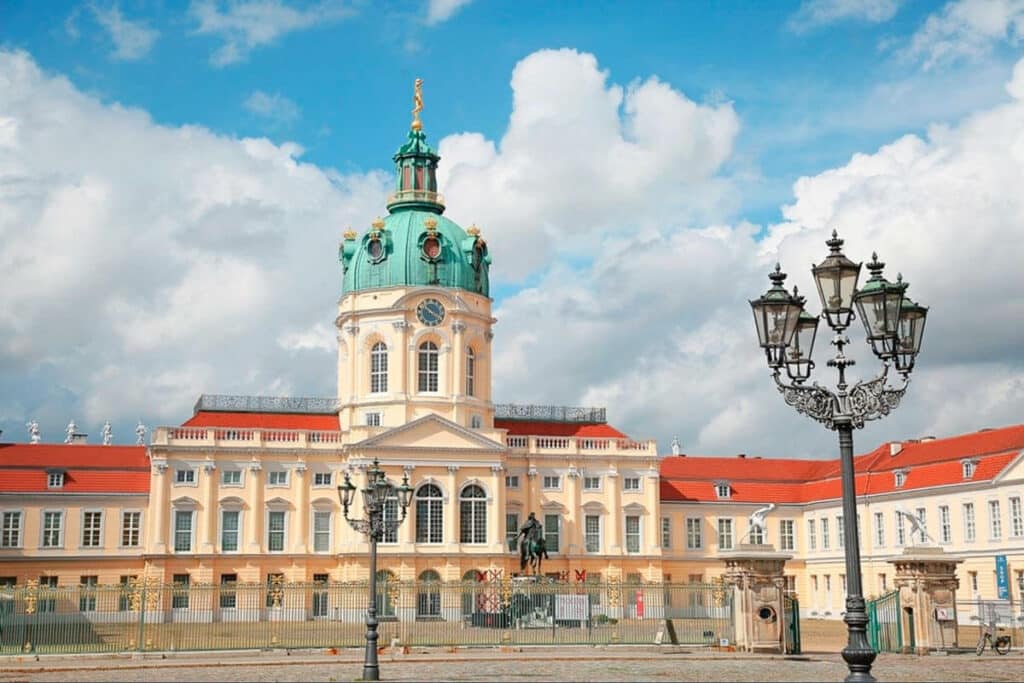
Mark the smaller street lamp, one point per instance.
(378, 493)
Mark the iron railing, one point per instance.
(171, 617)
(513, 411)
(267, 404)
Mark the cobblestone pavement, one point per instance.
(533, 664)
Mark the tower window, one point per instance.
(470, 372)
(428, 366)
(379, 368)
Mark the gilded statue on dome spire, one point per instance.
(417, 101)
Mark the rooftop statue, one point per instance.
(675, 445)
(417, 104)
(140, 434)
(108, 433)
(33, 431)
(70, 432)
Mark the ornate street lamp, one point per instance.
(895, 327)
(379, 490)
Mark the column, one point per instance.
(451, 528)
(207, 520)
(407, 532)
(159, 524)
(574, 521)
(353, 364)
(616, 521)
(458, 371)
(398, 380)
(302, 512)
(496, 511)
(256, 512)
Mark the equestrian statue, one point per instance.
(532, 546)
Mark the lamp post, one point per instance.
(894, 326)
(378, 521)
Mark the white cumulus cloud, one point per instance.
(132, 39)
(814, 13)
(439, 11)
(966, 29)
(275, 108)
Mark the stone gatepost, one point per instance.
(926, 580)
(756, 573)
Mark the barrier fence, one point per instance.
(145, 616)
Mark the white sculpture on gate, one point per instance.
(70, 432)
(108, 433)
(757, 520)
(917, 527)
(33, 431)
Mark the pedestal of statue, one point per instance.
(756, 573)
(926, 580)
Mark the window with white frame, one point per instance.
(429, 515)
(901, 530)
(53, 529)
(591, 483)
(973, 576)
(756, 534)
(883, 583)
(631, 484)
(879, 529)
(276, 530)
(995, 520)
(92, 529)
(470, 372)
(825, 541)
(321, 531)
(391, 520)
(511, 481)
(945, 527)
(922, 514)
(54, 480)
(428, 367)
(512, 530)
(277, 478)
(322, 478)
(694, 538)
(472, 515)
(969, 529)
(812, 536)
(552, 482)
(131, 528)
(87, 593)
(10, 530)
(180, 591)
(184, 475)
(724, 533)
(231, 477)
(787, 534)
(1016, 518)
(552, 531)
(183, 531)
(968, 468)
(723, 490)
(476, 422)
(840, 531)
(379, 368)
(632, 534)
(372, 418)
(666, 532)
(592, 533)
(228, 599)
(899, 478)
(230, 530)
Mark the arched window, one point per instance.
(471, 593)
(473, 515)
(428, 366)
(470, 371)
(428, 595)
(429, 515)
(379, 368)
(385, 600)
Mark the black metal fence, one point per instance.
(167, 617)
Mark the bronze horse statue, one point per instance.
(535, 551)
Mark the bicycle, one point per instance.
(1000, 644)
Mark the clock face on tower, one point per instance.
(430, 312)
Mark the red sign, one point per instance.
(639, 604)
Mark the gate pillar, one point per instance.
(756, 572)
(926, 580)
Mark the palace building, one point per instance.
(245, 489)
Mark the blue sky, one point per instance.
(345, 80)
(174, 177)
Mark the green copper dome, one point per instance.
(415, 245)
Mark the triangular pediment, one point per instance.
(430, 432)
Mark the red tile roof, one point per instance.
(87, 468)
(579, 429)
(313, 421)
(931, 463)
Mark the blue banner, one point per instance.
(1002, 578)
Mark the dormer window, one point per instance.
(899, 478)
(723, 490)
(969, 467)
(55, 480)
